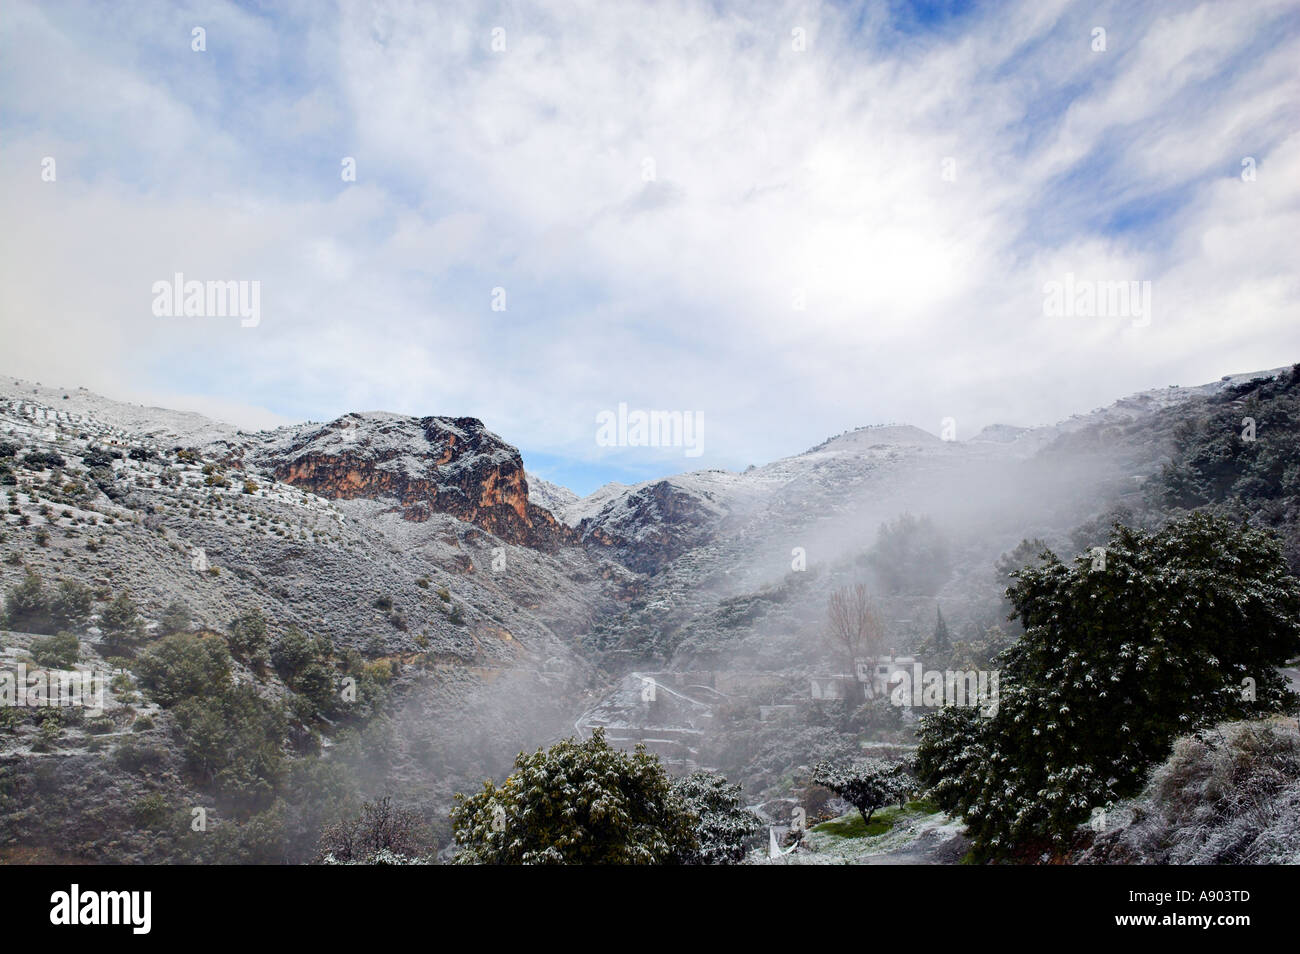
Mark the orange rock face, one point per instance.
(426, 466)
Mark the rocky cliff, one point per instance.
(424, 466)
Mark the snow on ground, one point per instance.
(916, 838)
(183, 428)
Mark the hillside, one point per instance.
(490, 611)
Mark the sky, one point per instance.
(785, 220)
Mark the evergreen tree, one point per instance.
(724, 825)
(1178, 630)
(176, 618)
(579, 802)
(941, 641)
(121, 625)
(27, 609)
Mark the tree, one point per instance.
(911, 556)
(866, 784)
(176, 618)
(855, 627)
(248, 636)
(234, 740)
(293, 651)
(121, 624)
(304, 663)
(578, 802)
(1182, 628)
(56, 652)
(382, 834)
(724, 827)
(71, 605)
(941, 641)
(182, 666)
(26, 606)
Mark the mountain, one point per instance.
(453, 466)
(498, 609)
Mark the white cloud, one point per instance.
(776, 173)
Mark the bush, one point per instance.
(184, 666)
(96, 457)
(1229, 798)
(248, 636)
(234, 739)
(579, 802)
(383, 834)
(56, 652)
(43, 460)
(144, 757)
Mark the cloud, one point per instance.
(686, 210)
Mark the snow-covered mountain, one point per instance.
(505, 606)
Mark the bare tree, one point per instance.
(856, 629)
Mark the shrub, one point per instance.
(56, 652)
(43, 460)
(1228, 798)
(140, 757)
(248, 636)
(382, 834)
(96, 457)
(149, 810)
(183, 666)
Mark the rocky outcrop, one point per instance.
(651, 525)
(425, 466)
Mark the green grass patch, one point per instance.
(852, 826)
(923, 806)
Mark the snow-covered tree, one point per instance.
(866, 784)
(724, 827)
(578, 802)
(1173, 631)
